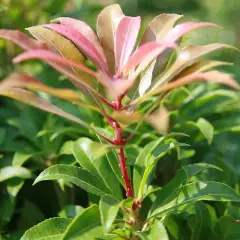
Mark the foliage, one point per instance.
(135, 142)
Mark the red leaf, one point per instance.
(146, 53)
(125, 40)
(20, 39)
(81, 42)
(182, 29)
(85, 30)
(48, 55)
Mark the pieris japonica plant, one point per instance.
(123, 77)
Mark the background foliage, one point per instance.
(31, 140)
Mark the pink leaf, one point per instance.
(146, 53)
(20, 39)
(81, 42)
(48, 55)
(125, 40)
(182, 29)
(107, 22)
(211, 76)
(159, 27)
(85, 30)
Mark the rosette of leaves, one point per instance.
(124, 80)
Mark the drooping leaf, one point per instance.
(62, 46)
(109, 207)
(15, 171)
(108, 20)
(125, 40)
(211, 76)
(48, 55)
(85, 226)
(78, 176)
(193, 192)
(202, 66)
(20, 39)
(52, 228)
(187, 57)
(83, 28)
(35, 101)
(81, 42)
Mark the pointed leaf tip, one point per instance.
(125, 39)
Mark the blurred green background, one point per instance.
(20, 14)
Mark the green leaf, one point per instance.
(3, 134)
(143, 157)
(226, 228)
(75, 175)
(138, 170)
(7, 208)
(173, 186)
(109, 207)
(203, 223)
(158, 231)
(14, 185)
(162, 150)
(70, 211)
(67, 148)
(52, 228)
(20, 158)
(11, 172)
(206, 129)
(198, 191)
(85, 225)
(86, 152)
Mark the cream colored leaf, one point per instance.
(107, 23)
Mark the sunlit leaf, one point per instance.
(52, 228)
(125, 40)
(85, 226)
(109, 207)
(108, 20)
(193, 192)
(81, 42)
(78, 176)
(159, 27)
(62, 46)
(20, 39)
(83, 28)
(15, 171)
(181, 176)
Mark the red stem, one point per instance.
(119, 141)
(123, 166)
